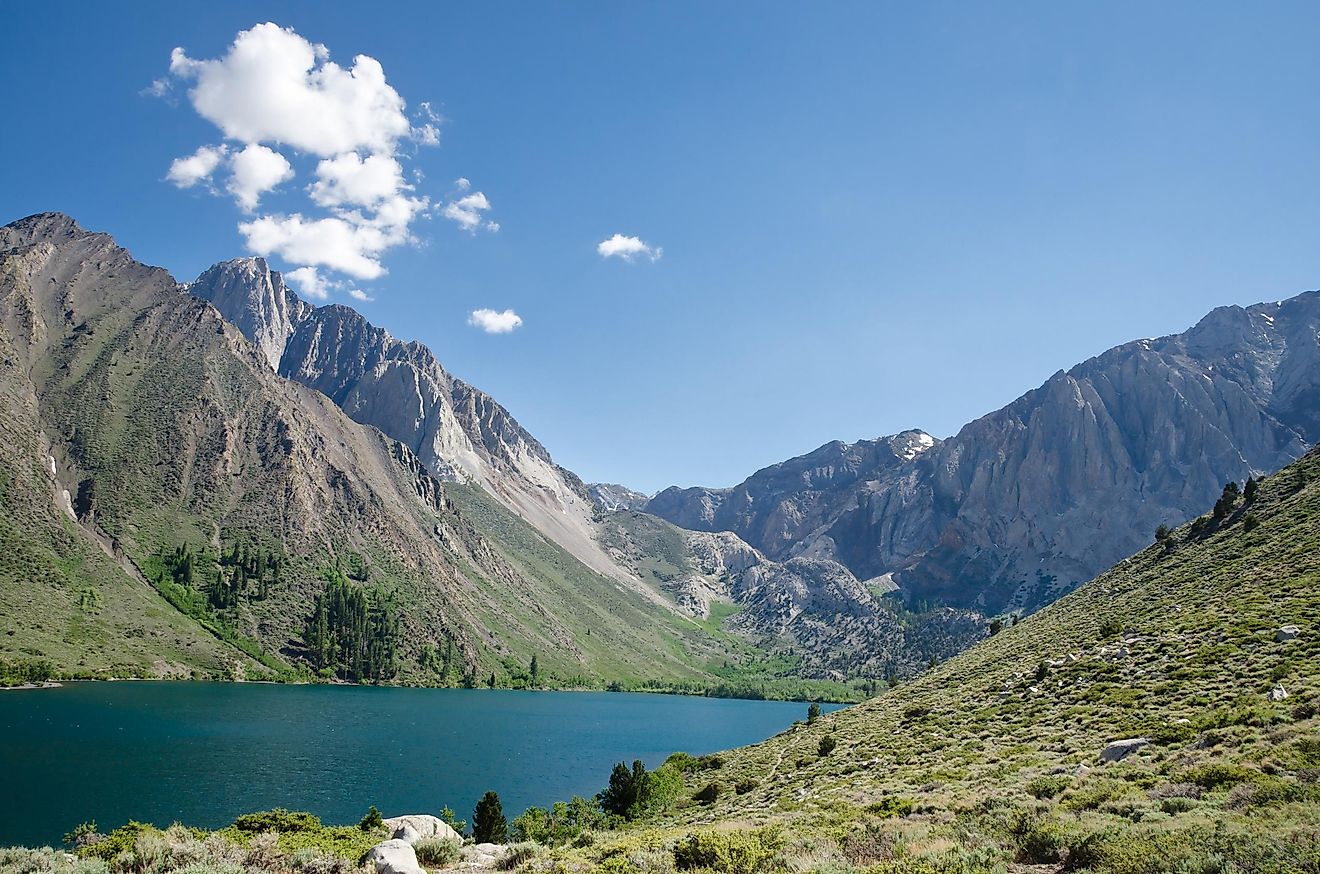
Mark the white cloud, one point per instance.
(493, 322)
(627, 248)
(359, 294)
(254, 171)
(336, 243)
(275, 95)
(275, 86)
(187, 171)
(467, 210)
(347, 179)
(158, 88)
(309, 282)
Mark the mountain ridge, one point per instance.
(1026, 502)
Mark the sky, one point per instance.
(682, 241)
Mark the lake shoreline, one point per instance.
(56, 684)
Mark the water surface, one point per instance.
(202, 753)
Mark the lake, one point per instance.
(202, 753)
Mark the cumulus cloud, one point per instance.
(339, 244)
(309, 282)
(350, 180)
(275, 86)
(191, 169)
(493, 322)
(467, 211)
(275, 95)
(627, 248)
(254, 171)
(359, 294)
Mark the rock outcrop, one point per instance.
(1024, 504)
(423, 825)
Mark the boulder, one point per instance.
(407, 833)
(1278, 693)
(423, 825)
(483, 855)
(1120, 749)
(1286, 633)
(394, 857)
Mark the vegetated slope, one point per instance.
(1205, 644)
(239, 494)
(1026, 502)
(808, 617)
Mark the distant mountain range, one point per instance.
(1024, 504)
(193, 466)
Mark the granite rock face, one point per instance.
(459, 432)
(1023, 504)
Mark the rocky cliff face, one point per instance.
(1033, 499)
(459, 432)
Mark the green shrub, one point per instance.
(1037, 838)
(745, 786)
(371, 820)
(826, 745)
(518, 854)
(1048, 786)
(438, 852)
(1220, 775)
(745, 852)
(118, 841)
(709, 793)
(891, 806)
(1094, 793)
(277, 820)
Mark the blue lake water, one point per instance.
(202, 753)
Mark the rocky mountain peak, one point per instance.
(255, 299)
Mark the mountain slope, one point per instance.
(458, 432)
(1204, 648)
(1026, 502)
(168, 429)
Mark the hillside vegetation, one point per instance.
(1203, 648)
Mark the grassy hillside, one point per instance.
(993, 759)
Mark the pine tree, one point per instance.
(535, 670)
(488, 823)
(813, 712)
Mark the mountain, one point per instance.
(809, 613)
(1025, 503)
(173, 505)
(1163, 717)
(460, 433)
(610, 497)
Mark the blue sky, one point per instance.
(873, 216)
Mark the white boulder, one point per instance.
(422, 825)
(1286, 633)
(1120, 749)
(1278, 693)
(394, 857)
